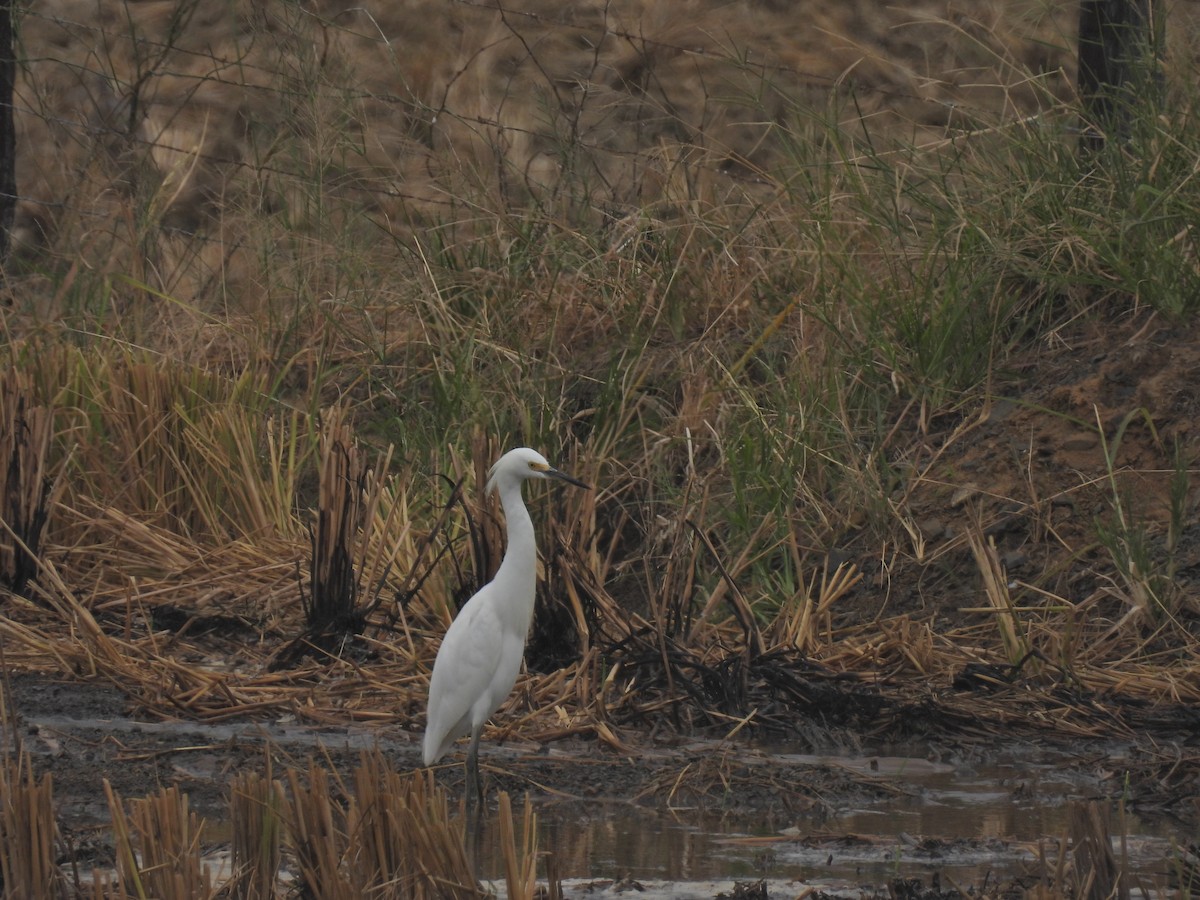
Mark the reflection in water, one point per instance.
(966, 821)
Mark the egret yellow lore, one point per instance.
(480, 656)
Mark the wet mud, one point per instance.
(695, 818)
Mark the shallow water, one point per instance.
(957, 824)
(966, 817)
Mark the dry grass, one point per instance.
(158, 847)
(817, 311)
(347, 568)
(29, 487)
(391, 836)
(28, 832)
(1098, 873)
(256, 812)
(519, 849)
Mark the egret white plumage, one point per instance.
(477, 664)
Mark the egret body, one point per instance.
(477, 664)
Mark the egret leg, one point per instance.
(474, 788)
(474, 801)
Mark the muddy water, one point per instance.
(966, 816)
(952, 824)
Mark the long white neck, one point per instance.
(518, 570)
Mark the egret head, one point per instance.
(517, 465)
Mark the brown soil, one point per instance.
(1080, 418)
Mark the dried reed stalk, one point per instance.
(27, 489)
(334, 586)
(349, 497)
(28, 832)
(148, 412)
(738, 605)
(485, 534)
(256, 811)
(107, 887)
(800, 624)
(158, 846)
(405, 845)
(487, 531)
(995, 586)
(392, 839)
(520, 857)
(317, 844)
(1098, 875)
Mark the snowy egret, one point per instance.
(477, 664)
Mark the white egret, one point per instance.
(477, 664)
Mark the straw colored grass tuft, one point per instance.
(256, 813)
(519, 849)
(995, 589)
(1099, 870)
(28, 833)
(390, 837)
(158, 847)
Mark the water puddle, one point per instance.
(954, 825)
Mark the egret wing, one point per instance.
(463, 673)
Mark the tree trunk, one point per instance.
(8, 137)
(1117, 48)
